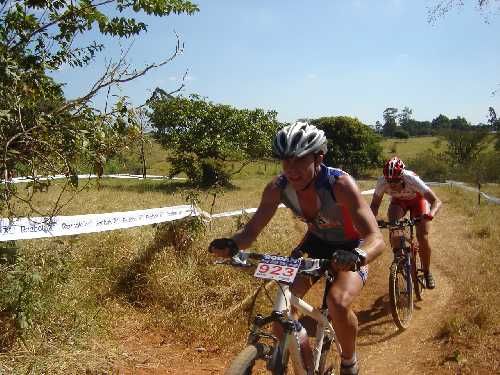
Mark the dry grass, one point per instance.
(92, 285)
(470, 331)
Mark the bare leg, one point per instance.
(423, 242)
(394, 213)
(345, 288)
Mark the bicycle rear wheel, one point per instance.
(400, 294)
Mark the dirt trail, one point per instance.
(382, 348)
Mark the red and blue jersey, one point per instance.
(325, 217)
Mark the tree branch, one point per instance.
(57, 20)
(116, 74)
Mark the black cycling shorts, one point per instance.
(315, 247)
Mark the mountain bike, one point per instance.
(276, 352)
(406, 274)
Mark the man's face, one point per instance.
(395, 183)
(300, 171)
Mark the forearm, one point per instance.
(373, 244)
(374, 209)
(375, 204)
(435, 207)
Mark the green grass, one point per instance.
(408, 148)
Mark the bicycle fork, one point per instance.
(409, 276)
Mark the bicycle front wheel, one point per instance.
(244, 362)
(400, 295)
(329, 360)
(417, 274)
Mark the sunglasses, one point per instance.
(393, 181)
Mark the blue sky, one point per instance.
(321, 58)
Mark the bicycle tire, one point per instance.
(400, 295)
(329, 360)
(417, 277)
(243, 363)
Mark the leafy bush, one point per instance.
(202, 172)
(352, 145)
(430, 165)
(202, 135)
(19, 295)
(401, 134)
(485, 168)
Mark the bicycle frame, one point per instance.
(407, 249)
(287, 345)
(285, 299)
(404, 263)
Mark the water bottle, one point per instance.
(305, 347)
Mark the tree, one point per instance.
(441, 122)
(390, 123)
(41, 131)
(459, 123)
(203, 135)
(493, 121)
(379, 127)
(464, 146)
(352, 145)
(414, 127)
(405, 116)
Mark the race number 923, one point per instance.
(283, 269)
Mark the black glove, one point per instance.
(297, 253)
(224, 243)
(345, 261)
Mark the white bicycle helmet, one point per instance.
(299, 139)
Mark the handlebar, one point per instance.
(308, 266)
(398, 224)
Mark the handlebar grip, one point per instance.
(222, 243)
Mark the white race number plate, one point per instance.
(279, 268)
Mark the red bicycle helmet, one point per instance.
(393, 168)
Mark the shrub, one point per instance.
(401, 134)
(352, 145)
(202, 172)
(430, 165)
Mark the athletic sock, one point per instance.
(349, 361)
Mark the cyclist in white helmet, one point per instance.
(338, 218)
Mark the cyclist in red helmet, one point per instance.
(409, 193)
